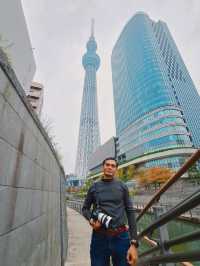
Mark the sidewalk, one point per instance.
(79, 240)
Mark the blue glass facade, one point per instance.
(171, 162)
(156, 104)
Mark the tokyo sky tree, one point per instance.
(89, 137)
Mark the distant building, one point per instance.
(108, 149)
(73, 181)
(15, 41)
(157, 107)
(35, 97)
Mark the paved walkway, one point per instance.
(79, 240)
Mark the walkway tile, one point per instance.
(79, 239)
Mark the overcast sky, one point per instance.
(59, 31)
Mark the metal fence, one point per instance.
(161, 254)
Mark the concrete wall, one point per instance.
(32, 210)
(14, 38)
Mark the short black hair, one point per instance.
(110, 158)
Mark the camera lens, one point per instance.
(104, 219)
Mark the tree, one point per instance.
(87, 185)
(127, 173)
(4, 45)
(194, 173)
(131, 172)
(154, 176)
(84, 189)
(121, 173)
(47, 125)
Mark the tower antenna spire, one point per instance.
(89, 123)
(92, 27)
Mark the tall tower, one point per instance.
(89, 137)
(157, 107)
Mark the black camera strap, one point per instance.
(97, 196)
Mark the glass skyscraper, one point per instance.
(89, 136)
(157, 107)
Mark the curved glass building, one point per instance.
(157, 107)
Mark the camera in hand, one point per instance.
(103, 218)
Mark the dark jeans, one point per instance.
(103, 247)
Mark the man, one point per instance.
(111, 197)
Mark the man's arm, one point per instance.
(130, 211)
(132, 254)
(87, 204)
(89, 200)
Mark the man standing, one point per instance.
(111, 206)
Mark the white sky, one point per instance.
(59, 31)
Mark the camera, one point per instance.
(103, 218)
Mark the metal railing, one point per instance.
(166, 256)
(163, 244)
(193, 159)
(76, 205)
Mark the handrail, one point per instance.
(178, 257)
(186, 263)
(179, 240)
(192, 202)
(155, 244)
(195, 157)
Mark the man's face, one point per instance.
(109, 168)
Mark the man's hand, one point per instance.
(132, 255)
(95, 224)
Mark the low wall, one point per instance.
(32, 207)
